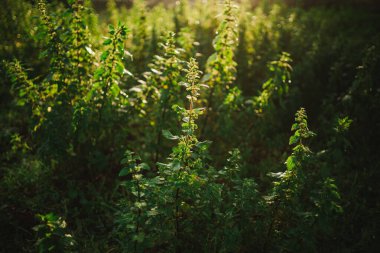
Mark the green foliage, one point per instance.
(77, 92)
(302, 199)
(22, 87)
(161, 86)
(164, 200)
(53, 235)
(221, 65)
(105, 91)
(277, 86)
(221, 68)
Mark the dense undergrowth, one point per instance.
(172, 128)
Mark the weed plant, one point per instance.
(165, 127)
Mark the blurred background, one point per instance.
(364, 3)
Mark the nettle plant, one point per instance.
(264, 112)
(53, 235)
(74, 99)
(104, 107)
(159, 89)
(159, 209)
(303, 200)
(53, 95)
(105, 91)
(276, 87)
(220, 66)
(189, 206)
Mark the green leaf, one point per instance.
(123, 172)
(125, 160)
(120, 68)
(211, 59)
(206, 77)
(144, 166)
(99, 72)
(176, 165)
(104, 55)
(168, 135)
(115, 90)
(203, 144)
(107, 42)
(112, 29)
(290, 163)
(294, 138)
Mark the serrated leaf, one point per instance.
(99, 72)
(293, 139)
(206, 77)
(107, 42)
(211, 59)
(115, 90)
(104, 55)
(144, 166)
(290, 163)
(120, 67)
(168, 135)
(123, 172)
(175, 165)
